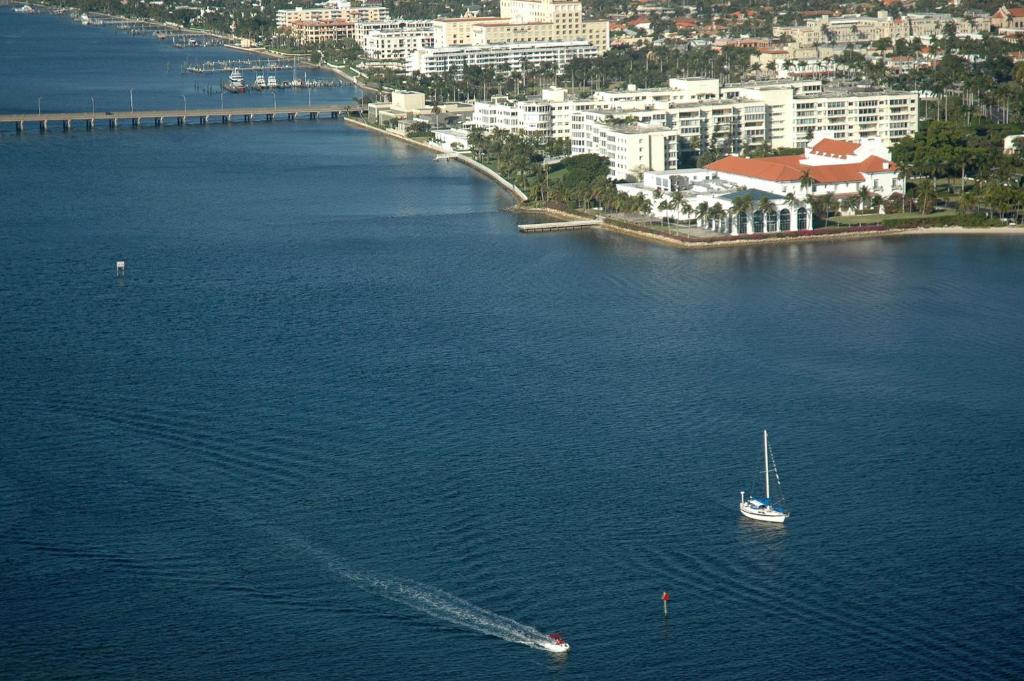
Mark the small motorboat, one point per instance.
(556, 644)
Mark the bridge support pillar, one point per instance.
(181, 120)
(248, 118)
(135, 122)
(112, 122)
(204, 120)
(66, 125)
(291, 116)
(19, 127)
(90, 123)
(270, 117)
(42, 126)
(334, 114)
(225, 119)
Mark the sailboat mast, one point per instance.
(767, 489)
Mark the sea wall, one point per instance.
(475, 165)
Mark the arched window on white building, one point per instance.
(784, 220)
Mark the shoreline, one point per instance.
(472, 163)
(228, 42)
(666, 240)
(520, 196)
(946, 230)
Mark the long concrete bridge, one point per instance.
(159, 117)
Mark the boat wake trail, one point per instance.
(445, 606)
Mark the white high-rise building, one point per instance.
(775, 114)
(341, 11)
(394, 39)
(513, 56)
(549, 115)
(537, 23)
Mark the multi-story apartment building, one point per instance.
(514, 56)
(387, 25)
(395, 40)
(549, 115)
(797, 109)
(772, 114)
(856, 28)
(634, 148)
(522, 22)
(311, 32)
(339, 11)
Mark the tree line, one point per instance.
(572, 182)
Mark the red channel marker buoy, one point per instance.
(664, 601)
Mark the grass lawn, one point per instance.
(873, 218)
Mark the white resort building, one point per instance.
(827, 166)
(778, 187)
(699, 196)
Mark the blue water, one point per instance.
(340, 419)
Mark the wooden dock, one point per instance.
(559, 226)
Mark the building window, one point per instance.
(773, 221)
(801, 218)
(784, 220)
(741, 223)
(758, 222)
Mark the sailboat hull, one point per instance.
(764, 515)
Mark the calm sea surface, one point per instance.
(341, 420)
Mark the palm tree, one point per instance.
(864, 194)
(744, 203)
(716, 213)
(679, 203)
(702, 213)
(829, 204)
(767, 208)
(735, 211)
(806, 181)
(664, 205)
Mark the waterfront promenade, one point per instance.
(184, 116)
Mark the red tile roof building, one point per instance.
(1009, 21)
(827, 166)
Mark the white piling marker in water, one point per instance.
(120, 268)
(664, 601)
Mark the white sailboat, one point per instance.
(763, 509)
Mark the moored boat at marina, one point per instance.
(235, 82)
